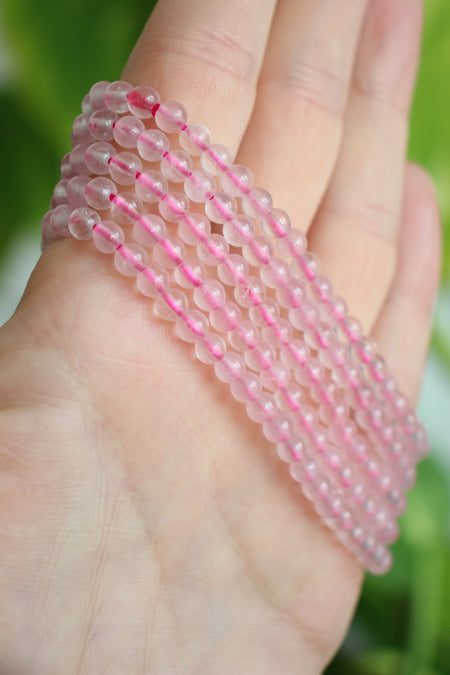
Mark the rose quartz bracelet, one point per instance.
(239, 284)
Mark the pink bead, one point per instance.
(75, 190)
(115, 96)
(130, 259)
(293, 244)
(169, 252)
(67, 170)
(59, 193)
(276, 273)
(86, 105)
(279, 429)
(216, 159)
(99, 192)
(142, 101)
(190, 273)
(211, 349)
(174, 206)
(153, 280)
(210, 295)
(239, 231)
(293, 450)
(280, 335)
(293, 295)
(214, 251)
(101, 124)
(227, 317)
(127, 131)
(257, 203)
(237, 181)
(276, 224)
(97, 94)
(304, 317)
(126, 207)
(258, 251)
(252, 294)
(107, 236)
(306, 266)
(352, 329)
(295, 354)
(81, 222)
(263, 409)
(243, 337)
(195, 139)
(230, 368)
(59, 219)
(261, 357)
(98, 156)
(322, 288)
(149, 229)
(265, 314)
(277, 378)
(192, 326)
(200, 186)
(311, 373)
(151, 186)
(176, 165)
(233, 270)
(221, 207)
(247, 388)
(124, 167)
(171, 117)
(194, 228)
(80, 130)
(152, 144)
(77, 161)
(289, 398)
(171, 306)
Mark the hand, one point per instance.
(146, 526)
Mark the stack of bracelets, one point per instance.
(145, 186)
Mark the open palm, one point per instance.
(146, 525)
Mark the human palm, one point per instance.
(146, 524)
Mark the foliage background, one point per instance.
(53, 52)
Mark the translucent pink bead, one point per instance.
(80, 129)
(293, 450)
(194, 228)
(230, 368)
(126, 207)
(233, 270)
(276, 273)
(59, 193)
(263, 409)
(171, 306)
(192, 326)
(130, 259)
(221, 207)
(295, 354)
(98, 156)
(322, 287)
(142, 101)
(211, 349)
(306, 266)
(67, 170)
(152, 144)
(258, 251)
(115, 96)
(257, 203)
(290, 398)
(171, 117)
(214, 251)
(123, 168)
(279, 429)
(99, 192)
(277, 378)
(216, 159)
(190, 273)
(151, 186)
(243, 337)
(81, 222)
(58, 220)
(200, 186)
(75, 190)
(281, 335)
(149, 229)
(237, 181)
(86, 105)
(311, 373)
(127, 131)
(97, 94)
(293, 295)
(226, 318)
(174, 206)
(101, 124)
(195, 139)
(107, 236)
(304, 317)
(261, 357)
(265, 314)
(352, 328)
(176, 165)
(276, 224)
(247, 388)
(293, 244)
(153, 280)
(319, 338)
(210, 295)
(77, 161)
(251, 294)
(239, 231)
(169, 252)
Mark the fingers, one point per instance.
(403, 327)
(207, 54)
(356, 229)
(302, 92)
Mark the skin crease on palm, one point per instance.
(145, 524)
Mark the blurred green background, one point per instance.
(50, 54)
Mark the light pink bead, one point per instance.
(279, 429)
(101, 124)
(247, 388)
(292, 296)
(81, 222)
(214, 251)
(200, 186)
(172, 306)
(293, 244)
(152, 144)
(276, 273)
(107, 236)
(239, 231)
(261, 357)
(262, 410)
(58, 221)
(171, 117)
(257, 203)
(75, 190)
(276, 224)
(282, 335)
(98, 156)
(115, 96)
(192, 326)
(194, 228)
(127, 131)
(169, 252)
(258, 251)
(126, 207)
(151, 186)
(176, 165)
(230, 368)
(59, 193)
(97, 94)
(130, 259)
(67, 170)
(195, 139)
(210, 295)
(99, 192)
(243, 337)
(237, 181)
(221, 207)
(293, 450)
(77, 161)
(252, 294)
(123, 168)
(233, 270)
(86, 105)
(211, 349)
(306, 266)
(153, 280)
(190, 273)
(265, 314)
(227, 317)
(149, 229)
(295, 354)
(142, 101)
(290, 398)
(216, 159)
(277, 378)
(80, 130)
(174, 206)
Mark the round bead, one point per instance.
(153, 280)
(77, 161)
(210, 295)
(151, 186)
(257, 203)
(216, 158)
(174, 206)
(97, 94)
(247, 388)
(194, 228)
(127, 131)
(171, 117)
(126, 208)
(99, 192)
(276, 224)
(192, 326)
(237, 181)
(190, 273)
(86, 105)
(123, 168)
(293, 450)
(293, 244)
(293, 295)
(152, 144)
(130, 259)
(221, 207)
(59, 193)
(195, 139)
(227, 317)
(260, 358)
(267, 313)
(252, 294)
(101, 124)
(258, 251)
(107, 236)
(243, 337)
(211, 349)
(80, 129)
(81, 222)
(230, 368)
(214, 250)
(116, 96)
(98, 156)
(200, 186)
(295, 354)
(239, 231)
(277, 378)
(171, 306)
(59, 219)
(279, 429)
(290, 398)
(276, 273)
(75, 190)
(142, 101)
(234, 270)
(176, 166)
(306, 266)
(66, 168)
(169, 252)
(149, 229)
(263, 409)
